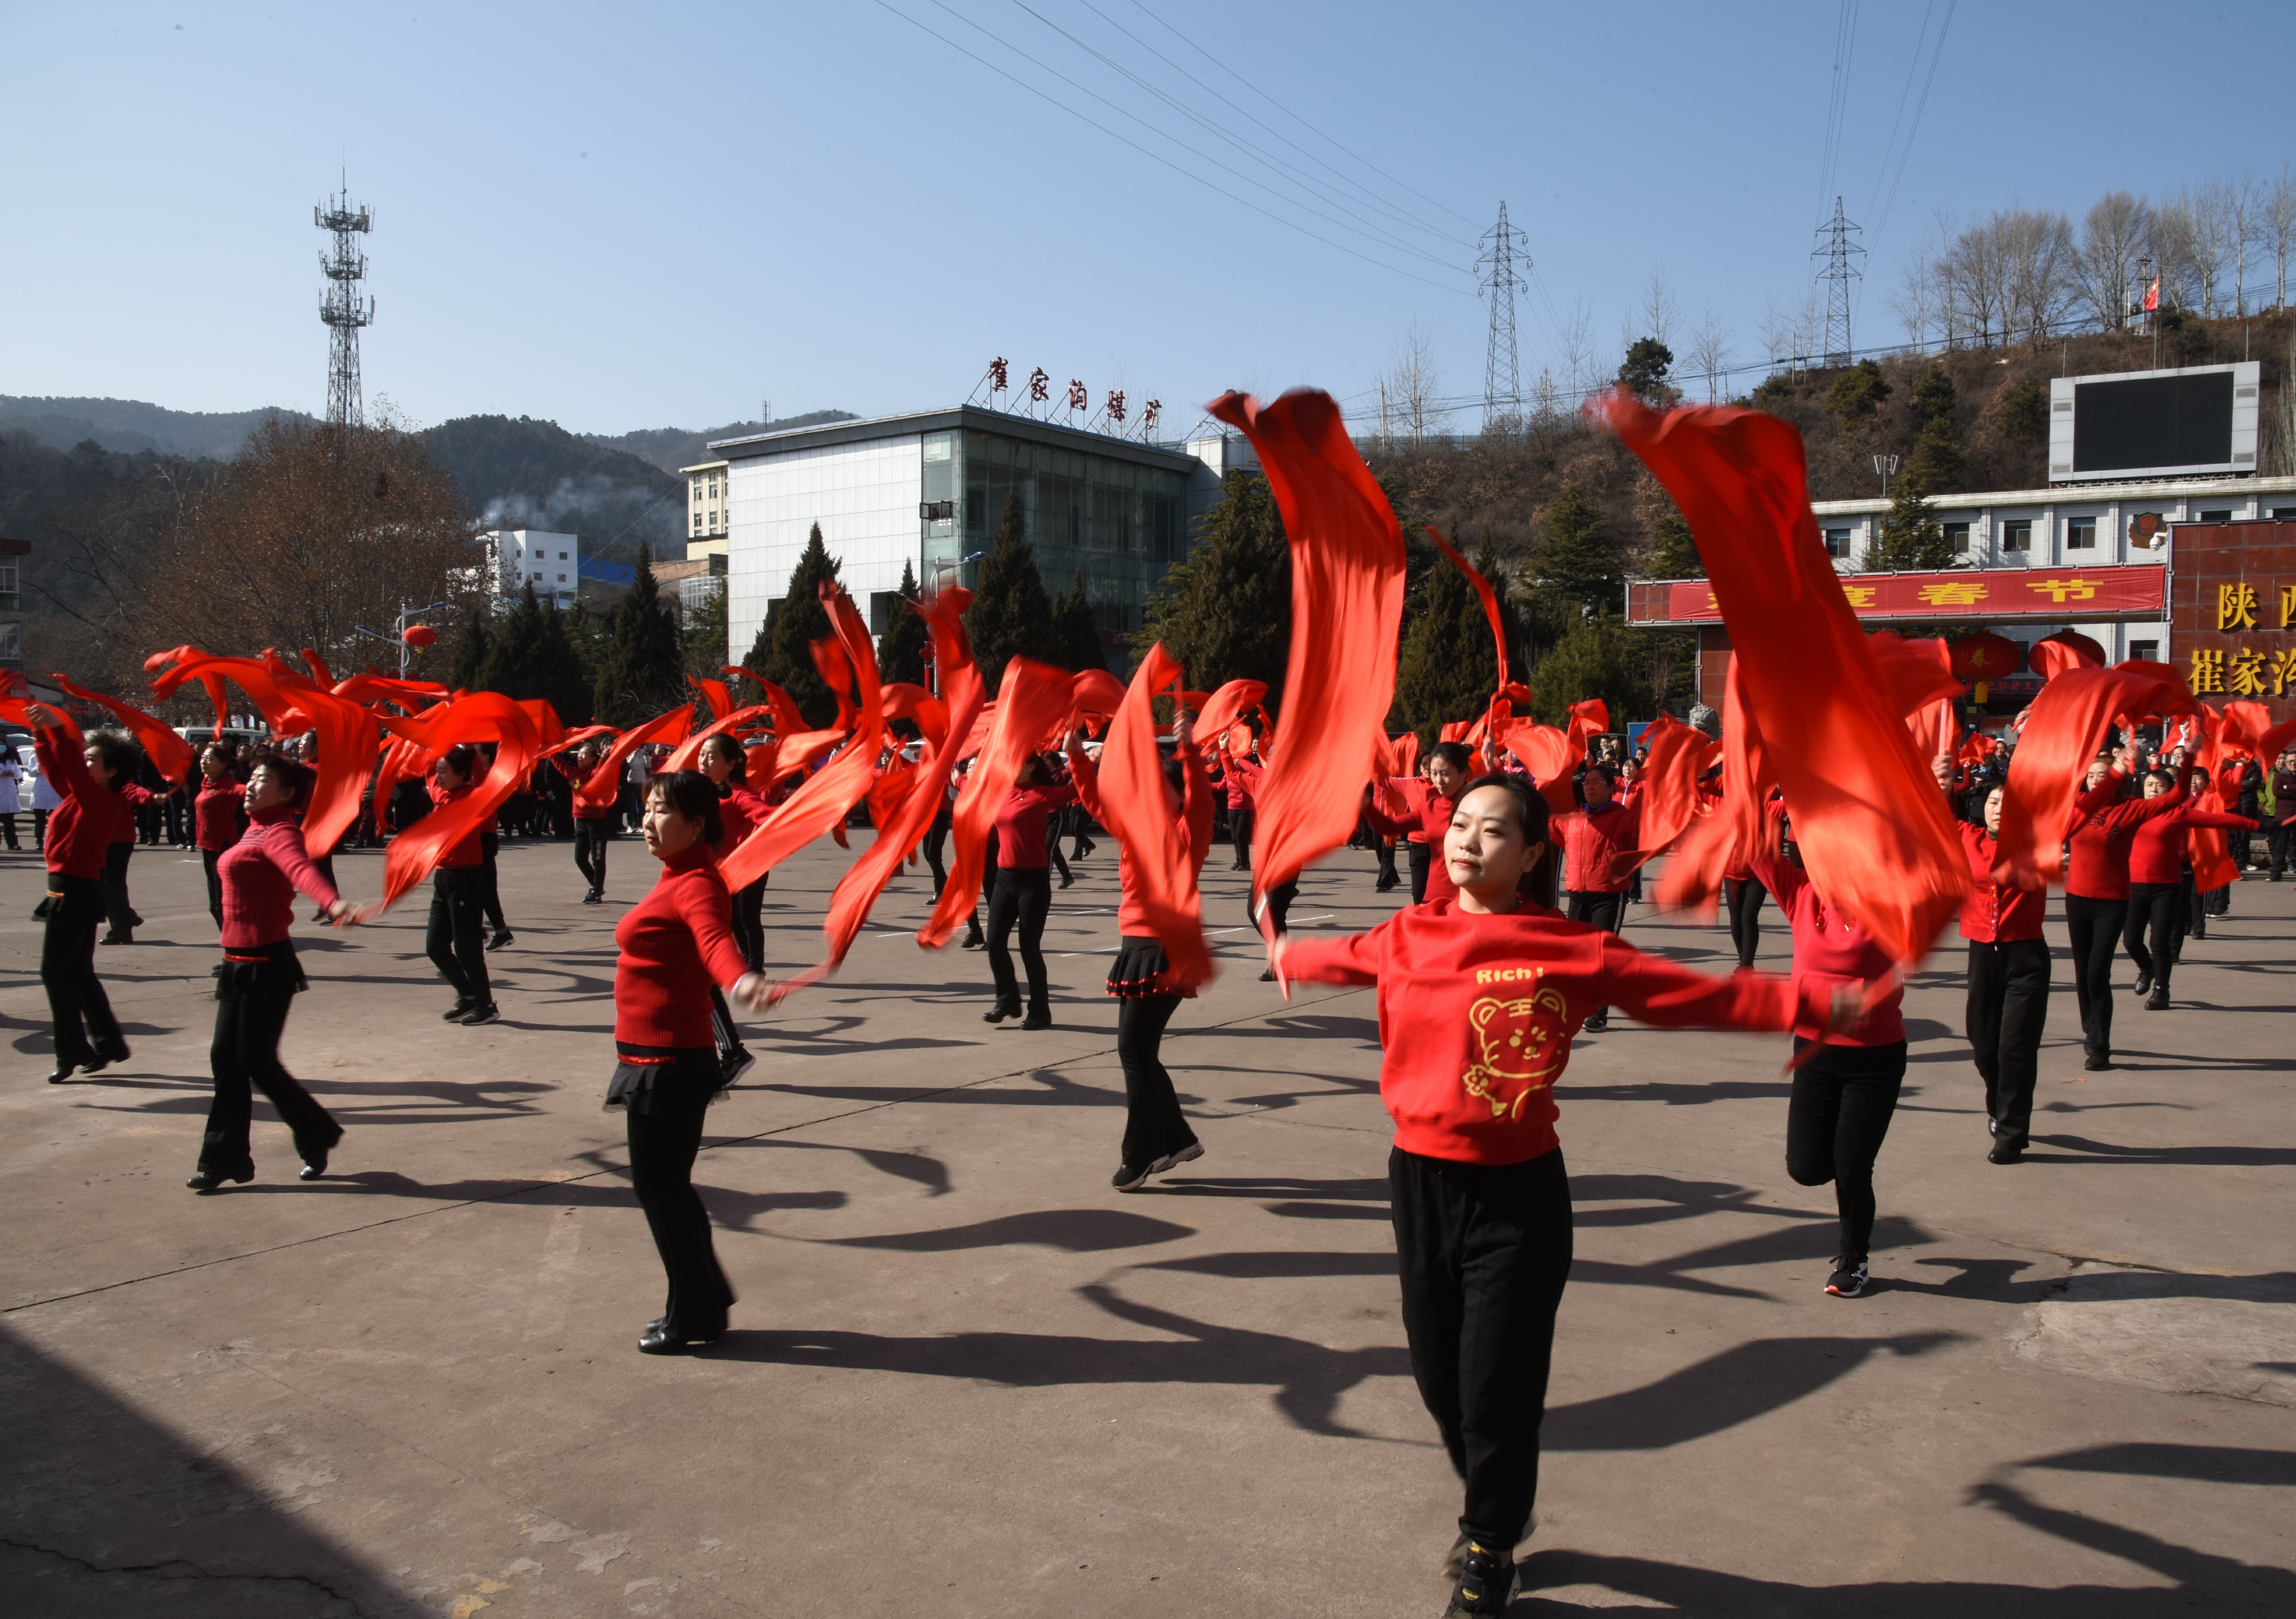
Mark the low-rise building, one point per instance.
(552, 562)
(707, 506)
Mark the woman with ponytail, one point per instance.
(1492, 983)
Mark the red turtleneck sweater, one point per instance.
(675, 943)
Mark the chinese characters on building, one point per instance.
(2242, 671)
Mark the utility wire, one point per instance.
(1837, 107)
(1160, 157)
(1936, 56)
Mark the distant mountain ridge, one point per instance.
(129, 426)
(671, 447)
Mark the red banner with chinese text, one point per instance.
(1991, 595)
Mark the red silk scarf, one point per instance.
(475, 717)
(171, 755)
(1031, 700)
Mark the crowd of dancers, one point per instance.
(1525, 848)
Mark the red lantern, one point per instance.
(2051, 656)
(1985, 657)
(420, 634)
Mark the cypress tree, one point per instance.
(1225, 614)
(1911, 535)
(471, 649)
(642, 670)
(1937, 455)
(531, 656)
(782, 651)
(1674, 554)
(1010, 615)
(1075, 637)
(1577, 562)
(901, 647)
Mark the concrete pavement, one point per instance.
(966, 1378)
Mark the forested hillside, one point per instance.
(522, 474)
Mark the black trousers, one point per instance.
(936, 842)
(2159, 907)
(39, 828)
(1605, 911)
(8, 825)
(590, 838)
(1388, 877)
(1021, 894)
(1081, 838)
(750, 924)
(117, 911)
(2276, 842)
(1419, 859)
(2096, 926)
(1483, 1251)
(1240, 825)
(1153, 1124)
(665, 1135)
(207, 857)
(489, 851)
(79, 1009)
(2008, 1003)
(244, 1057)
(455, 941)
(1744, 897)
(1843, 1098)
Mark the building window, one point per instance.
(2017, 535)
(2214, 517)
(2284, 513)
(1956, 535)
(2147, 651)
(1837, 542)
(2080, 534)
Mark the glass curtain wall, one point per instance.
(1118, 523)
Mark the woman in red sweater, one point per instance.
(2156, 884)
(1023, 892)
(2104, 826)
(1478, 998)
(1846, 1093)
(217, 818)
(1596, 842)
(455, 938)
(2008, 974)
(261, 874)
(87, 782)
(594, 824)
(676, 943)
(1430, 796)
(1156, 1134)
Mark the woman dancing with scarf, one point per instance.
(1491, 986)
(89, 805)
(2105, 821)
(1022, 892)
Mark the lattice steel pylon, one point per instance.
(1503, 248)
(340, 308)
(1835, 247)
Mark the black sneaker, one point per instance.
(499, 938)
(1597, 1023)
(488, 1013)
(1486, 1582)
(460, 1010)
(593, 898)
(1172, 1161)
(1848, 1277)
(1129, 1176)
(733, 1065)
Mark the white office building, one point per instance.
(926, 491)
(553, 562)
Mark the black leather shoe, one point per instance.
(998, 1014)
(62, 1074)
(663, 1339)
(1037, 1018)
(208, 1180)
(105, 1059)
(2143, 983)
(2096, 1062)
(2004, 1153)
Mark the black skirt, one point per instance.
(643, 1074)
(260, 973)
(1142, 970)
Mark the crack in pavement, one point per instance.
(176, 1568)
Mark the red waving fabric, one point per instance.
(1138, 803)
(1588, 719)
(2053, 655)
(171, 755)
(1869, 820)
(1483, 591)
(1922, 685)
(408, 694)
(961, 685)
(1546, 752)
(836, 672)
(1031, 700)
(2063, 730)
(1232, 702)
(690, 750)
(475, 717)
(1348, 565)
(1725, 840)
(603, 785)
(825, 798)
(714, 694)
(787, 720)
(1098, 692)
(1669, 786)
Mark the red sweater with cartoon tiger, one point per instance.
(1476, 1014)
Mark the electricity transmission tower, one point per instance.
(1836, 248)
(341, 308)
(1503, 248)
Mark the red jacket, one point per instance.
(1830, 952)
(131, 798)
(1476, 1014)
(260, 874)
(675, 943)
(1429, 823)
(80, 824)
(740, 810)
(466, 852)
(1020, 825)
(1997, 911)
(1596, 842)
(1195, 811)
(1242, 781)
(2158, 852)
(2104, 826)
(216, 814)
(576, 775)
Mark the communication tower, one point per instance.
(341, 307)
(1503, 246)
(1835, 247)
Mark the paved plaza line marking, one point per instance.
(543, 1185)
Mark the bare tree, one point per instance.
(2036, 247)
(2114, 234)
(2280, 231)
(1709, 351)
(1978, 276)
(2243, 208)
(1416, 383)
(1577, 339)
(2204, 242)
(1915, 299)
(1659, 311)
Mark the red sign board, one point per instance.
(2057, 595)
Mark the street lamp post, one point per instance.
(1887, 466)
(400, 625)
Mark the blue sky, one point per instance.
(634, 216)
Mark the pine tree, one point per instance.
(1577, 563)
(1674, 554)
(530, 656)
(901, 648)
(1594, 658)
(1857, 393)
(1911, 535)
(1645, 370)
(1074, 641)
(1010, 615)
(586, 635)
(642, 670)
(471, 648)
(1937, 455)
(1225, 614)
(1448, 666)
(782, 651)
